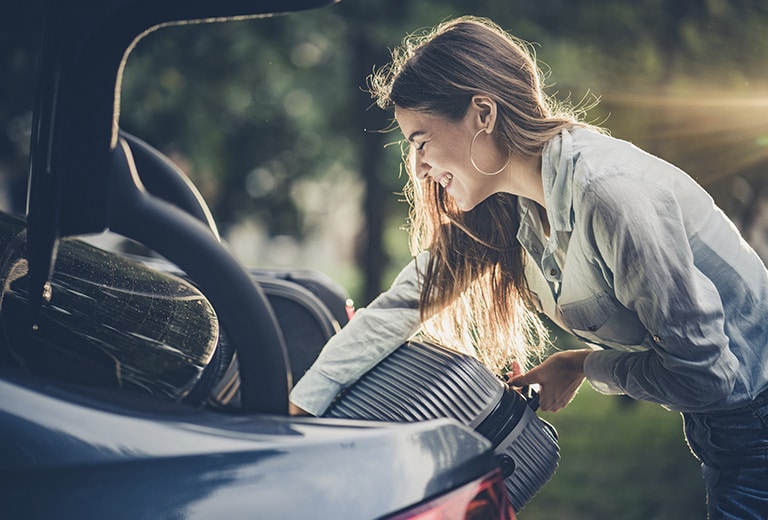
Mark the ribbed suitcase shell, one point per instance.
(421, 381)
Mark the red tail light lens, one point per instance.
(482, 499)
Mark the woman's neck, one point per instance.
(522, 177)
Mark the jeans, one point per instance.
(732, 446)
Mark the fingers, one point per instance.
(515, 373)
(554, 401)
(518, 382)
(559, 378)
(519, 379)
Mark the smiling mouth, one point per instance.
(445, 180)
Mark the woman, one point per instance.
(518, 208)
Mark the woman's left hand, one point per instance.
(295, 410)
(559, 376)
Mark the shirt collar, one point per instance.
(557, 175)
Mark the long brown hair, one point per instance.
(474, 297)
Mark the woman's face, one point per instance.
(439, 150)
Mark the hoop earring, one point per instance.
(472, 159)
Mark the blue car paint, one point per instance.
(65, 454)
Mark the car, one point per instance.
(112, 368)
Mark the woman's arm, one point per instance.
(640, 233)
(372, 334)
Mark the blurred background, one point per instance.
(271, 120)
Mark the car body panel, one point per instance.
(83, 453)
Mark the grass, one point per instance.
(620, 460)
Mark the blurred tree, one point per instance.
(19, 41)
(248, 103)
(255, 109)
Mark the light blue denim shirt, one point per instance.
(639, 263)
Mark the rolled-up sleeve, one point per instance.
(640, 235)
(372, 334)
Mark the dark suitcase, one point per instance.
(310, 308)
(332, 295)
(421, 381)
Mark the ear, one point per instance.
(483, 109)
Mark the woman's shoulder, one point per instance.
(595, 143)
(600, 157)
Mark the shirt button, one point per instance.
(656, 338)
(553, 272)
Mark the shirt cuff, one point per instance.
(599, 369)
(314, 392)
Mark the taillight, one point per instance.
(482, 499)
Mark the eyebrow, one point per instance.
(415, 134)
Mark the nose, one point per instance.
(419, 166)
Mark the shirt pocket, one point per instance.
(603, 320)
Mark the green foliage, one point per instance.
(253, 108)
(249, 105)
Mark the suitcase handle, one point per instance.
(531, 397)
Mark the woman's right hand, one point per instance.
(559, 376)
